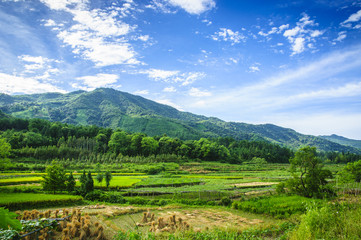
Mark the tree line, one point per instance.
(42, 139)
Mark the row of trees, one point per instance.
(57, 180)
(42, 139)
(45, 140)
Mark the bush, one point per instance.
(225, 201)
(333, 221)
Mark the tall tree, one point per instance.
(309, 179)
(108, 176)
(70, 183)
(55, 178)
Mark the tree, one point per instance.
(351, 172)
(108, 177)
(308, 177)
(55, 178)
(70, 183)
(89, 184)
(83, 179)
(100, 177)
(5, 149)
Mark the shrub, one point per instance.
(333, 221)
(225, 201)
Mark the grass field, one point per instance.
(19, 180)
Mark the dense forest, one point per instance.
(44, 140)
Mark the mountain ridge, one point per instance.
(106, 107)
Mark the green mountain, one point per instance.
(111, 108)
(343, 141)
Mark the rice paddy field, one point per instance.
(226, 200)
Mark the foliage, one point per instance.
(55, 178)
(276, 206)
(351, 172)
(8, 220)
(108, 177)
(70, 183)
(332, 221)
(89, 184)
(309, 179)
(5, 149)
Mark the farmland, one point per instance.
(232, 203)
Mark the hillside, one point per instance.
(115, 109)
(343, 141)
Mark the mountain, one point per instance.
(342, 140)
(107, 107)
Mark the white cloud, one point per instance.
(169, 89)
(298, 45)
(195, 92)
(141, 92)
(194, 6)
(11, 84)
(96, 35)
(341, 36)
(169, 103)
(354, 17)
(173, 76)
(302, 35)
(158, 74)
(206, 21)
(96, 81)
(254, 69)
(228, 35)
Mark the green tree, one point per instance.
(149, 146)
(308, 177)
(351, 172)
(108, 177)
(55, 178)
(89, 184)
(82, 180)
(70, 183)
(100, 178)
(5, 149)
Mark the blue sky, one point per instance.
(296, 64)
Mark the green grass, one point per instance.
(28, 197)
(15, 201)
(277, 206)
(118, 181)
(20, 180)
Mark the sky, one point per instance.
(296, 64)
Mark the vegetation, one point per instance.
(114, 109)
(309, 178)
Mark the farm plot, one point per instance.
(17, 201)
(19, 180)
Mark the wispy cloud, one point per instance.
(141, 92)
(355, 17)
(297, 86)
(169, 89)
(169, 103)
(173, 76)
(195, 92)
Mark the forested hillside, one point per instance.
(343, 141)
(114, 109)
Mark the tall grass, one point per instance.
(333, 221)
